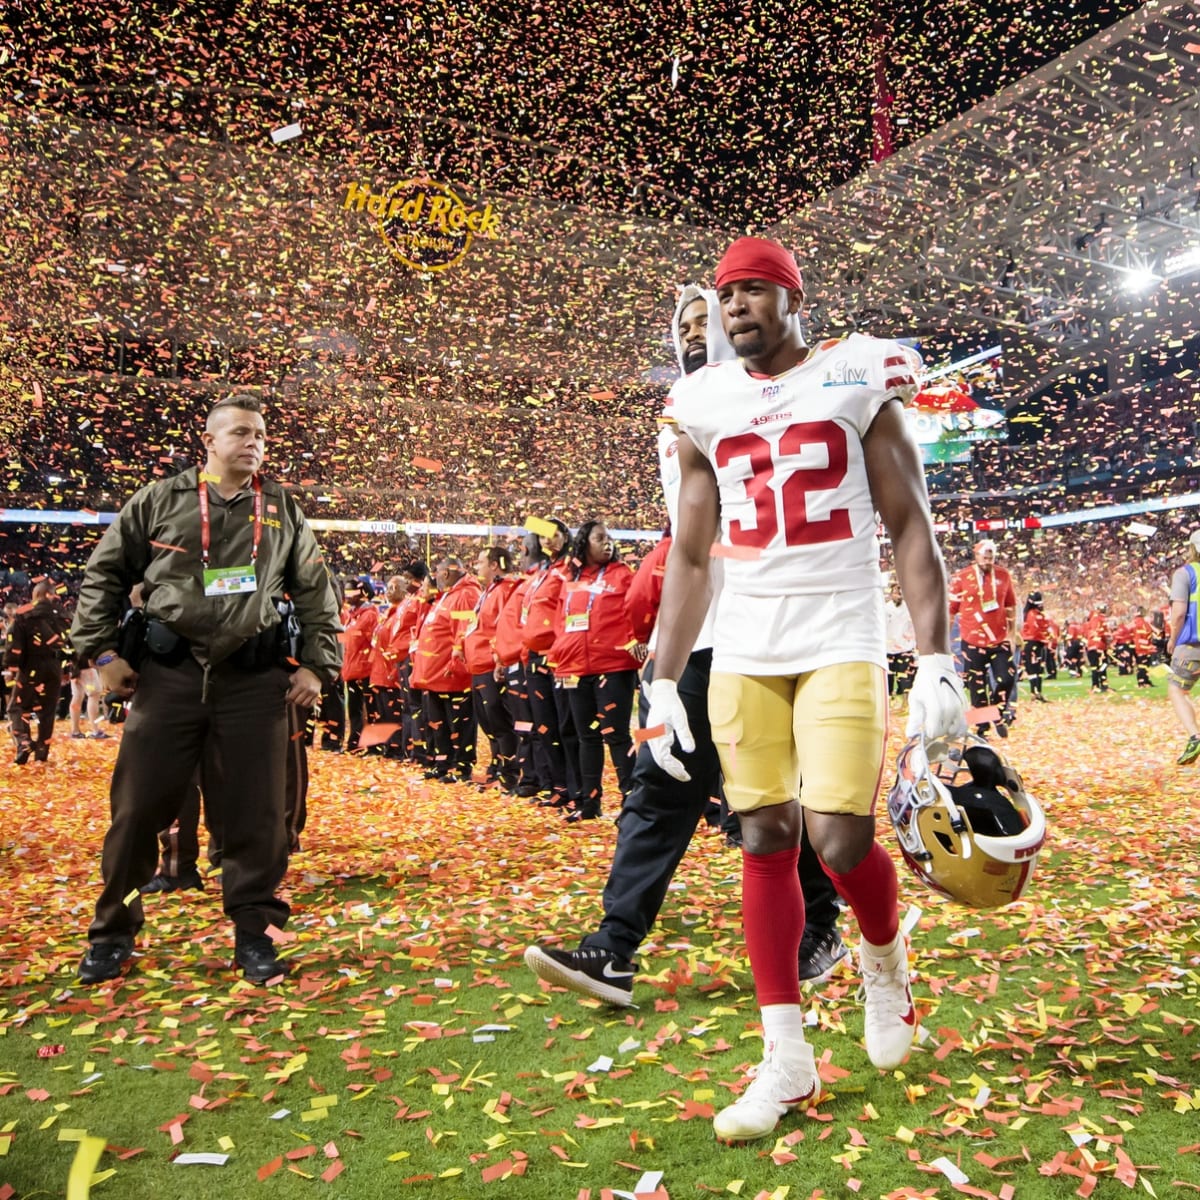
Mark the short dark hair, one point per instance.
(416, 569)
(241, 400)
(500, 556)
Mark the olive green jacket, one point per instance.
(156, 540)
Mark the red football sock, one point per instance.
(872, 891)
(773, 922)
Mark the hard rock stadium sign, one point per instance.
(425, 224)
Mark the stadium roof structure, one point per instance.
(1061, 215)
(155, 230)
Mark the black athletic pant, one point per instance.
(494, 718)
(901, 671)
(532, 773)
(561, 753)
(601, 708)
(658, 820)
(332, 717)
(1034, 656)
(452, 732)
(358, 709)
(983, 691)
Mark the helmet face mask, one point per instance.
(965, 824)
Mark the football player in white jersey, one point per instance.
(660, 814)
(787, 455)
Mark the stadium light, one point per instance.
(1140, 279)
(1182, 262)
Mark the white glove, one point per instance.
(937, 707)
(667, 712)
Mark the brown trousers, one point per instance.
(180, 841)
(238, 730)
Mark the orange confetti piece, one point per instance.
(649, 733)
(269, 1169)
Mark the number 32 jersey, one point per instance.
(798, 527)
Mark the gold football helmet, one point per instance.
(966, 825)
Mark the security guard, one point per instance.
(216, 550)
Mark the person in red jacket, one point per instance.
(422, 748)
(386, 697)
(1035, 633)
(411, 607)
(982, 598)
(1053, 636)
(1122, 644)
(596, 658)
(1143, 636)
(534, 773)
(360, 623)
(553, 725)
(1096, 641)
(440, 669)
(1073, 651)
(493, 570)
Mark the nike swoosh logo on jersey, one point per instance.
(609, 973)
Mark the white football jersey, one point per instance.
(798, 526)
(669, 474)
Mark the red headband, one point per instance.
(758, 258)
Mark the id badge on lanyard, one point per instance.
(985, 604)
(229, 581)
(578, 622)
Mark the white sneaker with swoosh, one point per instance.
(785, 1079)
(890, 1016)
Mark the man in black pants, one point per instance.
(660, 814)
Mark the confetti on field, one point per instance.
(1036, 999)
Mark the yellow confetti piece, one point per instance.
(79, 1180)
(131, 897)
(540, 527)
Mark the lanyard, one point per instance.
(531, 591)
(484, 595)
(594, 589)
(981, 577)
(206, 531)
